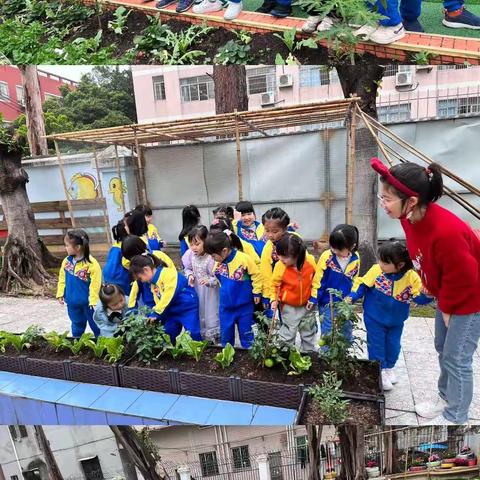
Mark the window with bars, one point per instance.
(159, 88)
(13, 477)
(301, 450)
(392, 70)
(92, 469)
(261, 80)
(452, 107)
(241, 457)
(394, 113)
(18, 431)
(275, 462)
(19, 92)
(4, 92)
(314, 76)
(194, 89)
(209, 463)
(452, 67)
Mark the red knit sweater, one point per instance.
(446, 253)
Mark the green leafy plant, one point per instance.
(243, 36)
(299, 363)
(423, 57)
(85, 341)
(58, 341)
(289, 39)
(225, 357)
(328, 395)
(114, 347)
(118, 25)
(233, 53)
(25, 340)
(190, 347)
(153, 36)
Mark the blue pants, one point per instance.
(391, 12)
(411, 9)
(326, 323)
(455, 346)
(80, 315)
(242, 317)
(383, 341)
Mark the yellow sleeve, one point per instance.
(249, 249)
(277, 276)
(167, 283)
(95, 282)
(311, 260)
(164, 258)
(368, 279)
(255, 275)
(61, 280)
(125, 263)
(132, 298)
(417, 288)
(260, 231)
(266, 268)
(319, 272)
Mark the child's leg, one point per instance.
(186, 312)
(88, 312)
(172, 328)
(290, 318)
(393, 345)
(410, 9)
(325, 319)
(376, 340)
(227, 326)
(78, 318)
(308, 331)
(391, 12)
(245, 321)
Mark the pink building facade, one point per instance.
(408, 92)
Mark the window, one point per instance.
(458, 106)
(197, 88)
(314, 75)
(48, 96)
(159, 88)
(301, 450)
(209, 464)
(261, 80)
(32, 474)
(92, 469)
(13, 477)
(275, 462)
(241, 457)
(392, 70)
(18, 431)
(4, 93)
(394, 113)
(20, 98)
(452, 67)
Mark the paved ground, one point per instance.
(417, 368)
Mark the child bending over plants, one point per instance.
(111, 309)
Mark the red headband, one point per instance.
(383, 170)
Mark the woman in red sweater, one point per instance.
(446, 253)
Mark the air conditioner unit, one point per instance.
(404, 79)
(285, 80)
(268, 99)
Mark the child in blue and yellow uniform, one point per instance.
(175, 302)
(190, 219)
(388, 288)
(248, 228)
(240, 287)
(79, 282)
(337, 268)
(154, 239)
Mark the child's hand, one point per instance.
(256, 300)
(191, 281)
(61, 300)
(204, 281)
(295, 226)
(309, 306)
(274, 305)
(151, 320)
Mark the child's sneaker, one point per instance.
(385, 35)
(266, 7)
(365, 31)
(391, 375)
(461, 19)
(326, 24)
(233, 10)
(386, 383)
(311, 24)
(183, 5)
(207, 6)
(281, 11)
(413, 26)
(164, 3)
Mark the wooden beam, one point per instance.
(104, 209)
(119, 173)
(64, 182)
(239, 160)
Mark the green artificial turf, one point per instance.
(431, 18)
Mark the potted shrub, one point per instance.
(417, 465)
(372, 469)
(330, 473)
(466, 457)
(433, 461)
(448, 459)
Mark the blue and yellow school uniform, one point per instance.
(175, 302)
(154, 239)
(114, 272)
(240, 281)
(251, 252)
(386, 306)
(329, 274)
(79, 284)
(184, 245)
(253, 234)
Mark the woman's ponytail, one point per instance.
(434, 172)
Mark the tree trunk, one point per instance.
(352, 446)
(391, 460)
(230, 88)
(44, 445)
(363, 81)
(141, 451)
(25, 256)
(314, 434)
(33, 111)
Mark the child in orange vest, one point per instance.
(290, 291)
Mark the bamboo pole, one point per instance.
(119, 174)
(64, 182)
(141, 177)
(239, 159)
(104, 203)
(351, 163)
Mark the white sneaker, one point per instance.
(207, 6)
(385, 35)
(365, 31)
(311, 24)
(441, 420)
(233, 10)
(431, 409)
(326, 24)
(391, 375)
(386, 383)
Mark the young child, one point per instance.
(114, 272)
(240, 288)
(190, 219)
(175, 302)
(223, 212)
(79, 282)
(388, 288)
(110, 310)
(290, 291)
(199, 270)
(136, 224)
(248, 228)
(337, 268)
(155, 241)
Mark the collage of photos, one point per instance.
(239, 239)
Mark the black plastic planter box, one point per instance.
(46, 368)
(145, 378)
(14, 364)
(92, 373)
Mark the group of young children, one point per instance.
(235, 267)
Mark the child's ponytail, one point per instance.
(292, 246)
(225, 225)
(139, 262)
(216, 241)
(80, 237)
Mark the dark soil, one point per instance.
(360, 412)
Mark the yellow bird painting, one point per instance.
(116, 187)
(83, 186)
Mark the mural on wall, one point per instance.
(83, 186)
(117, 188)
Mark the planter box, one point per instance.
(145, 378)
(13, 364)
(46, 368)
(92, 373)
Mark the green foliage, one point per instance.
(191, 348)
(86, 51)
(328, 396)
(86, 341)
(299, 363)
(21, 341)
(233, 53)
(423, 57)
(153, 36)
(111, 348)
(225, 357)
(118, 25)
(289, 39)
(58, 341)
